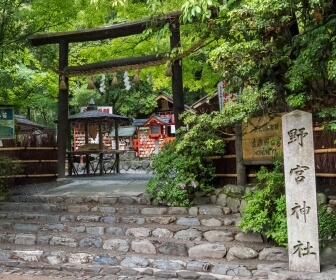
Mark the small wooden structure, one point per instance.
(27, 131)
(157, 128)
(94, 121)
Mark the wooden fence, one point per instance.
(37, 159)
(325, 162)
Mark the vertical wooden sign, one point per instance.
(301, 205)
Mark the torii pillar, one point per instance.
(63, 104)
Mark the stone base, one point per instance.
(327, 273)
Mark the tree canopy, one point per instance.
(277, 55)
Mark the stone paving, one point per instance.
(73, 235)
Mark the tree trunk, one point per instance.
(177, 83)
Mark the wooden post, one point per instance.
(241, 170)
(117, 147)
(63, 104)
(177, 82)
(101, 144)
(87, 156)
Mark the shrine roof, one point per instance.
(124, 131)
(139, 122)
(22, 121)
(95, 115)
(163, 120)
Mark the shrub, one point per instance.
(266, 209)
(266, 206)
(178, 176)
(327, 225)
(182, 167)
(7, 169)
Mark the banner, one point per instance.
(6, 122)
(104, 109)
(224, 96)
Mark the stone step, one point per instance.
(126, 236)
(129, 242)
(117, 219)
(142, 199)
(96, 259)
(133, 241)
(76, 207)
(182, 232)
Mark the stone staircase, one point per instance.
(128, 238)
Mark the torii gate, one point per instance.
(114, 31)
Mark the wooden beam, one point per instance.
(101, 33)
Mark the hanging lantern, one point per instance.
(90, 83)
(136, 78)
(169, 72)
(115, 79)
(63, 85)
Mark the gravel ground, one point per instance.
(31, 189)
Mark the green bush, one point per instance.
(7, 169)
(178, 176)
(327, 225)
(266, 205)
(182, 167)
(266, 209)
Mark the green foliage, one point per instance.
(7, 169)
(177, 176)
(327, 225)
(197, 9)
(266, 207)
(181, 168)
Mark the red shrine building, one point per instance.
(152, 131)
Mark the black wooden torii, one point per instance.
(63, 39)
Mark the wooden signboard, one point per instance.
(261, 139)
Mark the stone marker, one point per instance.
(301, 205)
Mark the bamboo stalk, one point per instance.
(225, 175)
(328, 150)
(323, 175)
(27, 148)
(34, 160)
(326, 175)
(222, 157)
(230, 138)
(28, 176)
